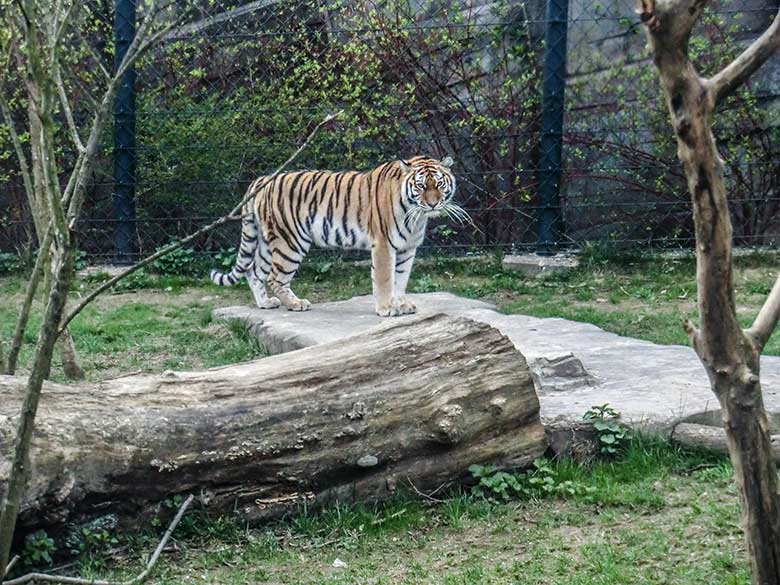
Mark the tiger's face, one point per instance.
(429, 185)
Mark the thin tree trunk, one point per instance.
(68, 356)
(24, 314)
(20, 467)
(730, 355)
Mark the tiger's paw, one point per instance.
(388, 309)
(270, 303)
(407, 307)
(299, 305)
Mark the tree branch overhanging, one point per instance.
(767, 318)
(738, 71)
(178, 244)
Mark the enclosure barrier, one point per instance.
(550, 108)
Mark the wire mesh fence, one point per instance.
(231, 93)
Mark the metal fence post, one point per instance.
(124, 136)
(550, 220)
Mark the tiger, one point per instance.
(385, 210)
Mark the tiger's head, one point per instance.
(428, 185)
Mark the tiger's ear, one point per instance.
(447, 161)
(405, 166)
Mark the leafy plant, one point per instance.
(225, 259)
(425, 284)
(10, 263)
(94, 538)
(137, 280)
(612, 435)
(179, 262)
(38, 548)
(540, 481)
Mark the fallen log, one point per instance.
(711, 438)
(410, 404)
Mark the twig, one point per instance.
(178, 244)
(21, 157)
(427, 496)
(74, 133)
(11, 565)
(140, 578)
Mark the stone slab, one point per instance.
(575, 365)
(534, 264)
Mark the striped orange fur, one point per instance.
(384, 210)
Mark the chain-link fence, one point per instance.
(230, 94)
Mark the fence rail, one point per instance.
(550, 107)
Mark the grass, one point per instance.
(658, 515)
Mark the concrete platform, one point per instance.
(575, 365)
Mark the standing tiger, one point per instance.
(384, 210)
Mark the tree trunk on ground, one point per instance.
(730, 355)
(410, 404)
(709, 438)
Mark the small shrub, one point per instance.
(540, 481)
(224, 260)
(95, 538)
(11, 263)
(135, 281)
(613, 437)
(425, 284)
(38, 548)
(179, 262)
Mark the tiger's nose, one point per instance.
(432, 198)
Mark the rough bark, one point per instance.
(730, 355)
(410, 404)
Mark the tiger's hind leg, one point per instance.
(258, 275)
(284, 264)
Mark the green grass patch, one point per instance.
(657, 515)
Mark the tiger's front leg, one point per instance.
(382, 272)
(403, 269)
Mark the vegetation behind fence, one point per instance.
(232, 92)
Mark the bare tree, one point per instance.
(730, 355)
(43, 31)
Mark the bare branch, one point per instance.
(142, 41)
(29, 295)
(140, 578)
(74, 133)
(767, 318)
(737, 72)
(198, 27)
(24, 168)
(178, 244)
(95, 57)
(63, 25)
(11, 565)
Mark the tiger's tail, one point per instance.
(246, 254)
